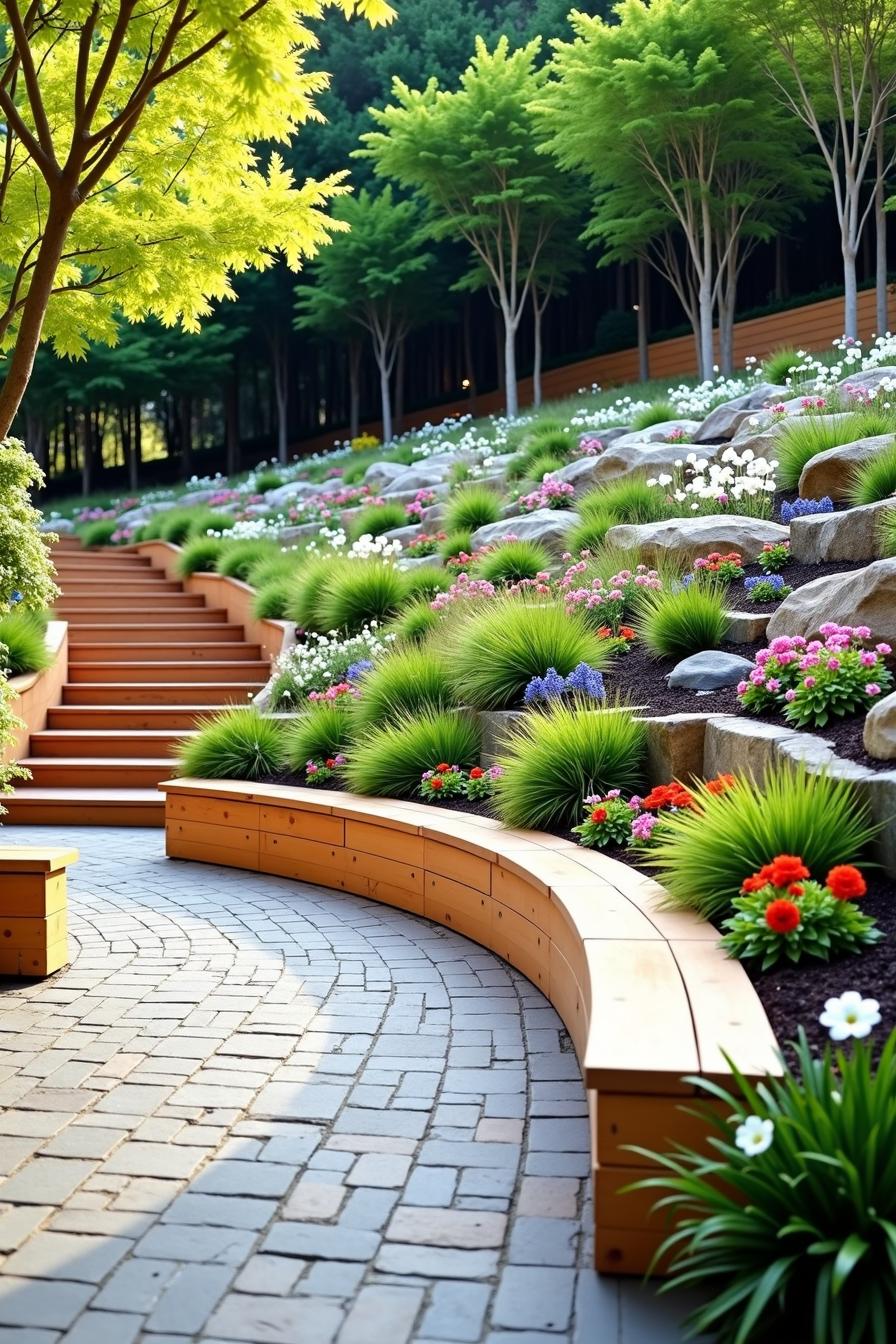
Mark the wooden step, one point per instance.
(171, 693)
(154, 633)
(124, 719)
(98, 772)
(171, 619)
(132, 587)
(154, 743)
(163, 651)
(172, 671)
(85, 807)
(96, 602)
(88, 562)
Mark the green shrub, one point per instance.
(401, 453)
(543, 465)
(151, 530)
(460, 473)
(779, 365)
(589, 533)
(426, 581)
(99, 533)
(271, 601)
(654, 414)
(798, 1235)
(200, 556)
(551, 437)
(401, 685)
(237, 743)
(473, 507)
(512, 561)
(676, 622)
(23, 643)
(323, 729)
(376, 519)
(353, 472)
(268, 480)
(238, 558)
(801, 439)
(277, 565)
(702, 855)
(497, 649)
(455, 542)
(629, 500)
(304, 603)
(358, 592)
(176, 525)
(874, 479)
(416, 622)
(557, 758)
(392, 758)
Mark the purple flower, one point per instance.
(804, 508)
(355, 671)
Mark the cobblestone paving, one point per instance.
(256, 1110)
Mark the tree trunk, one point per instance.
(354, 389)
(137, 454)
(399, 387)
(882, 317)
(127, 442)
(850, 292)
(232, 422)
(643, 319)
(500, 334)
(511, 398)
(537, 314)
(185, 421)
(68, 459)
(385, 397)
(280, 366)
(86, 451)
(468, 359)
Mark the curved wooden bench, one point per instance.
(645, 993)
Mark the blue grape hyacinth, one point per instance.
(583, 680)
(805, 508)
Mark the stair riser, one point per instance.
(173, 617)
(77, 564)
(150, 673)
(50, 774)
(81, 812)
(121, 718)
(48, 745)
(128, 588)
(96, 602)
(190, 694)
(125, 654)
(184, 636)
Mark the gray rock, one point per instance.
(859, 597)
(853, 534)
(683, 539)
(723, 421)
(498, 727)
(549, 526)
(143, 513)
(709, 671)
(606, 436)
(422, 477)
(295, 490)
(656, 433)
(582, 474)
(879, 735)
(831, 472)
(647, 458)
(675, 745)
(745, 627)
(739, 746)
(379, 474)
(871, 378)
(64, 526)
(422, 562)
(199, 496)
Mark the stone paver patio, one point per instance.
(257, 1110)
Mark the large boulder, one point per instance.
(709, 670)
(143, 512)
(423, 477)
(379, 474)
(853, 534)
(723, 421)
(870, 379)
(831, 472)
(549, 526)
(879, 734)
(683, 539)
(649, 458)
(858, 597)
(582, 474)
(656, 433)
(297, 490)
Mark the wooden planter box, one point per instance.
(33, 910)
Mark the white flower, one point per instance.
(754, 1136)
(850, 1015)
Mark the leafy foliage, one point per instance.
(391, 759)
(237, 743)
(25, 564)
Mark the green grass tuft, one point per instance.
(239, 557)
(557, 758)
(702, 855)
(426, 581)
(359, 592)
(801, 439)
(455, 542)
(402, 684)
(323, 729)
(268, 480)
(271, 601)
(676, 622)
(779, 365)
(238, 743)
(200, 556)
(512, 561)
(23, 643)
(99, 533)
(392, 758)
(416, 622)
(887, 533)
(874, 479)
(472, 507)
(654, 414)
(376, 519)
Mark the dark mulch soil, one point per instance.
(642, 680)
(793, 574)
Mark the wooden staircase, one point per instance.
(146, 660)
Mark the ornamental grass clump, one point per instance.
(676, 622)
(630, 500)
(874, 478)
(304, 604)
(321, 731)
(271, 602)
(392, 758)
(99, 533)
(237, 743)
(803, 437)
(788, 1221)
(377, 519)
(23, 643)
(403, 683)
(512, 561)
(497, 647)
(780, 364)
(657, 413)
(813, 681)
(358, 593)
(701, 854)
(568, 752)
(472, 507)
(415, 623)
(239, 557)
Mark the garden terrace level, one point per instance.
(645, 993)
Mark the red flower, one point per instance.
(754, 883)
(599, 814)
(796, 889)
(476, 773)
(667, 795)
(787, 868)
(443, 768)
(436, 783)
(846, 882)
(330, 763)
(782, 916)
(626, 632)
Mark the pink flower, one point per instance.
(883, 649)
(773, 684)
(789, 696)
(833, 664)
(872, 688)
(741, 687)
(809, 682)
(867, 659)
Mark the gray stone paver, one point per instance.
(254, 1110)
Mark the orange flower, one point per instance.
(720, 783)
(476, 773)
(787, 868)
(443, 768)
(796, 889)
(782, 916)
(846, 882)
(435, 783)
(626, 632)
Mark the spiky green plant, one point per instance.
(628, 500)
(589, 532)
(99, 533)
(512, 561)
(271, 602)
(886, 533)
(209, 520)
(874, 478)
(545, 464)
(654, 414)
(304, 603)
(23, 643)
(279, 565)
(353, 472)
(402, 684)
(557, 758)
(779, 365)
(702, 855)
(376, 519)
(268, 480)
(455, 542)
(416, 622)
(500, 646)
(238, 557)
(676, 622)
(358, 592)
(426, 581)
(176, 524)
(200, 556)
(151, 530)
(803, 437)
(392, 757)
(803, 1231)
(323, 729)
(237, 743)
(472, 507)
